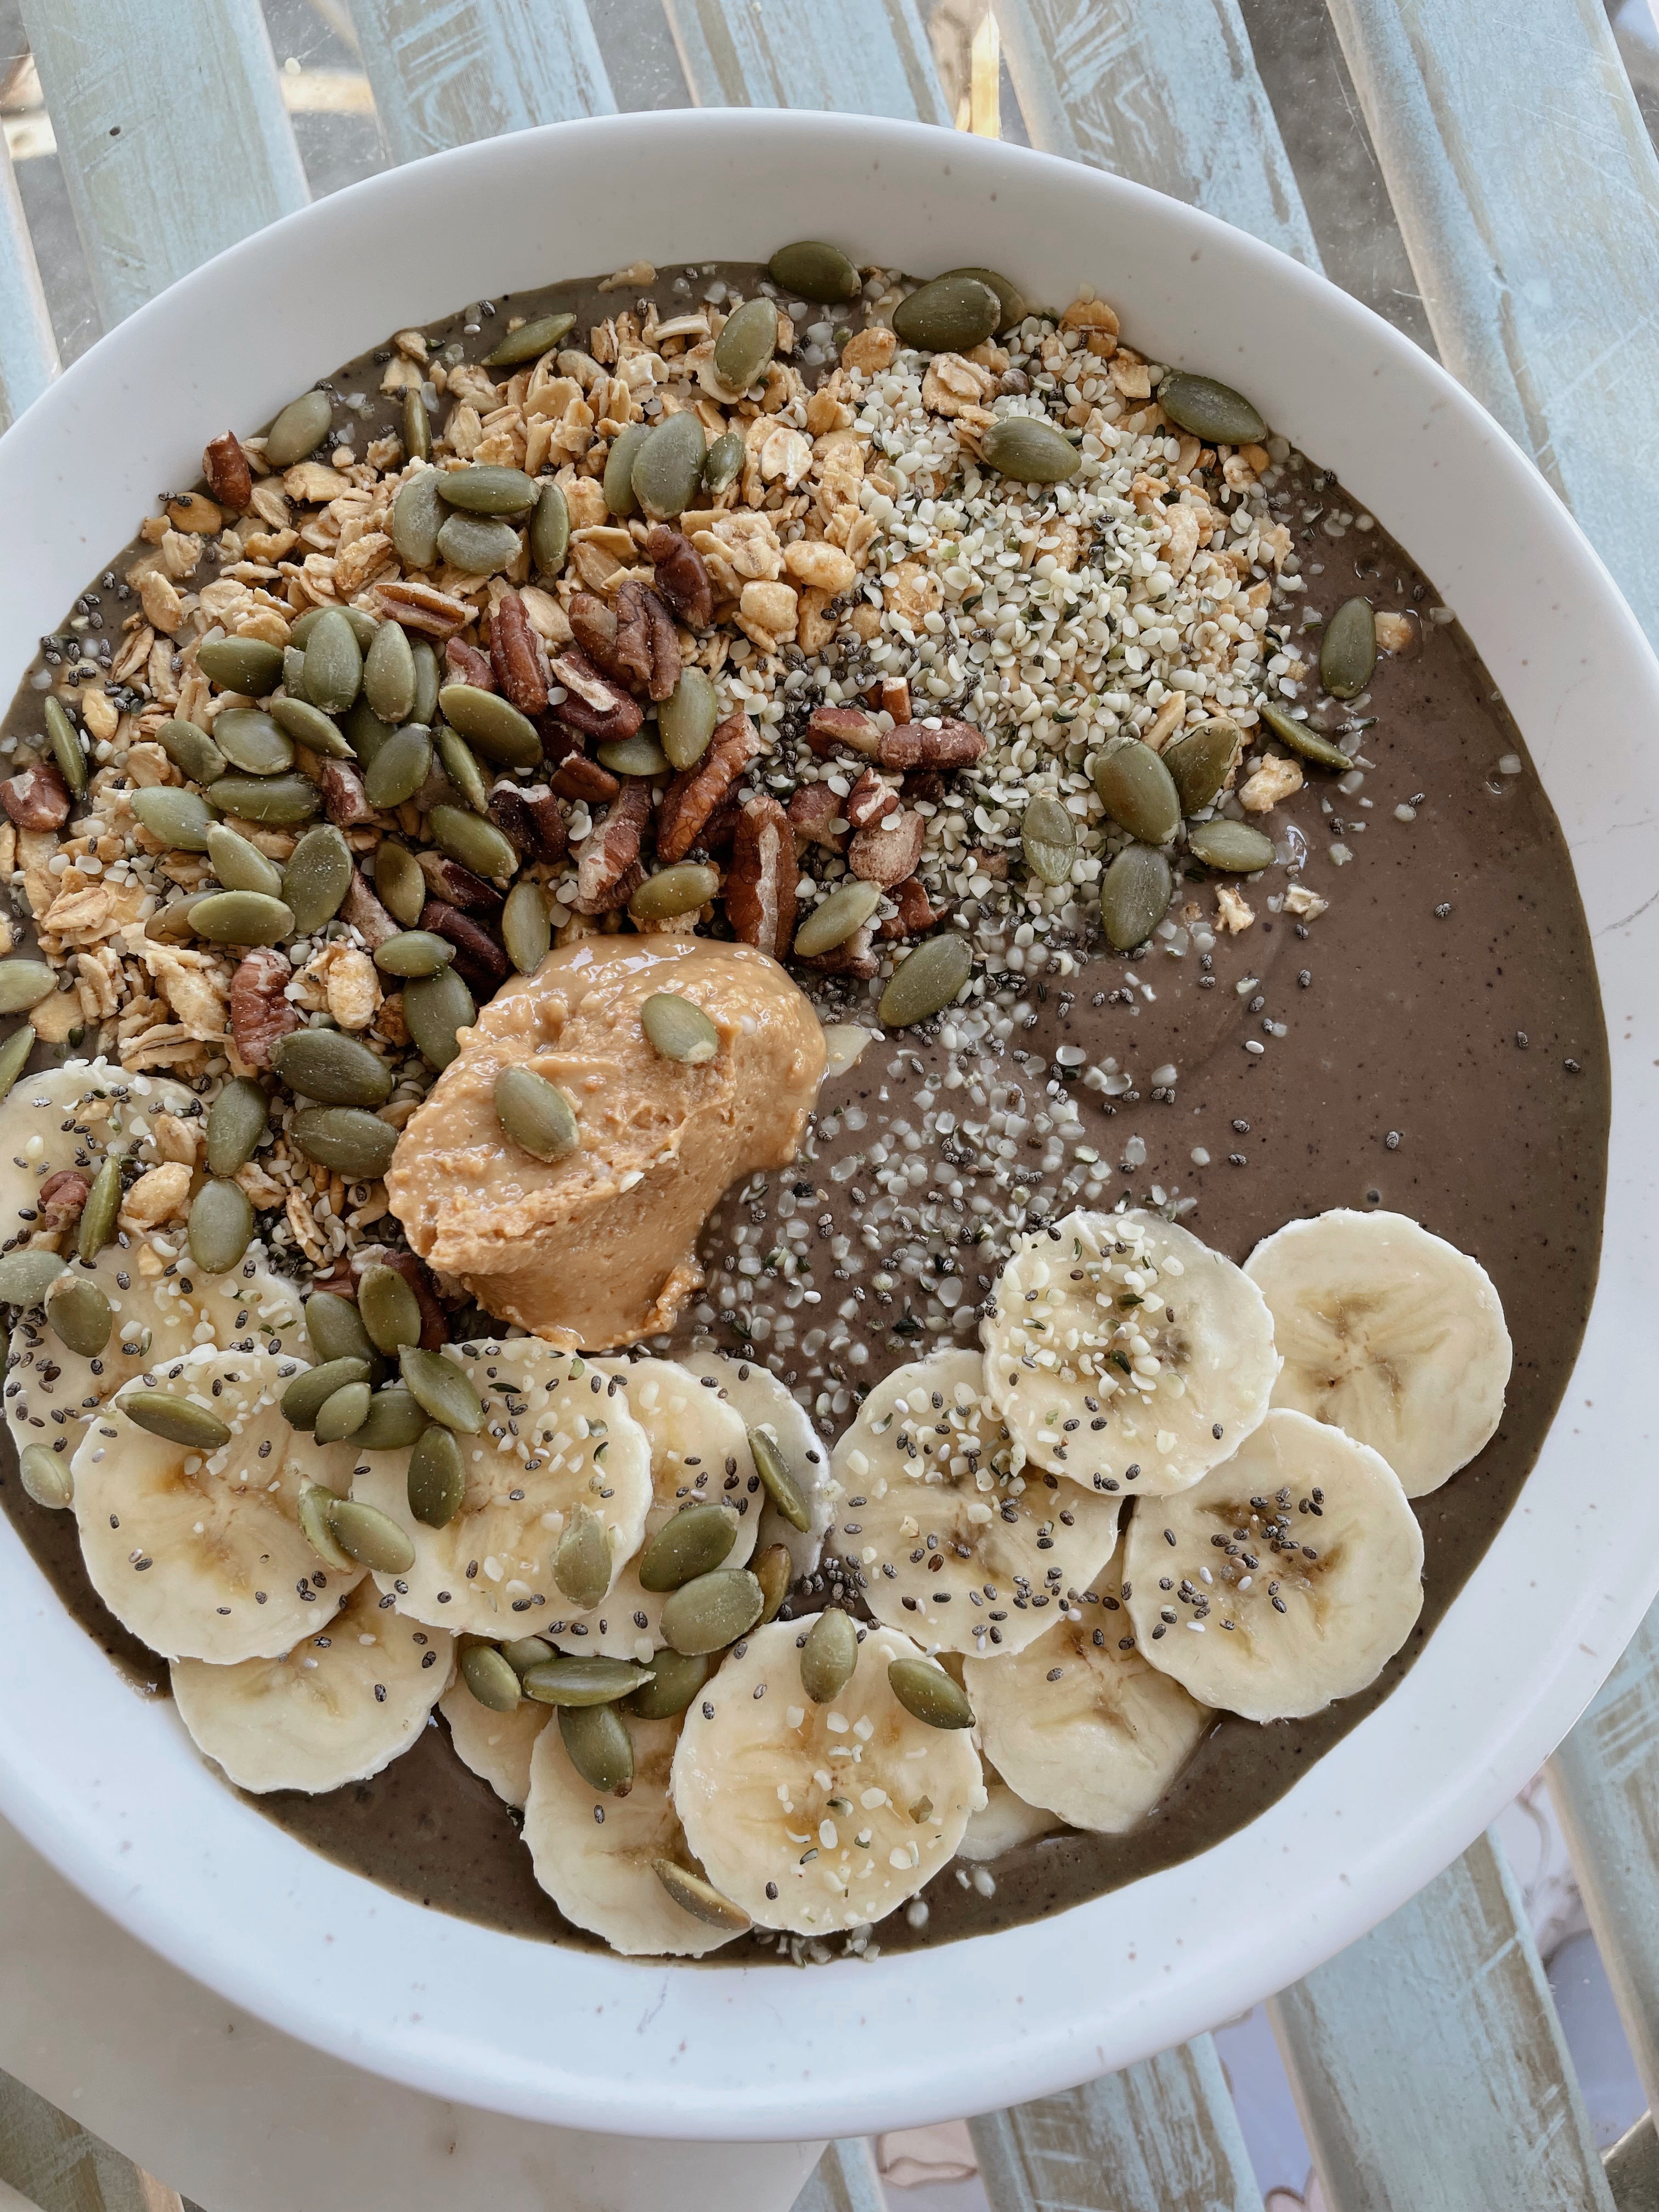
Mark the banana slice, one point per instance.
(1295, 1575)
(1123, 1353)
(764, 1402)
(338, 1708)
(595, 1856)
(1389, 1333)
(200, 1553)
(557, 1436)
(1082, 1725)
(1005, 1823)
(65, 1117)
(495, 1746)
(956, 1548)
(817, 1817)
(699, 1456)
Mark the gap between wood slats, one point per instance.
(448, 72)
(861, 57)
(845, 2180)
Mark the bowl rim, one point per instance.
(728, 2053)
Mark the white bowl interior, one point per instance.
(112, 1791)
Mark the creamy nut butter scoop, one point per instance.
(598, 1248)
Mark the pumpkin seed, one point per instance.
(79, 1315)
(779, 1484)
(598, 1746)
(700, 1898)
(14, 1057)
(314, 1502)
(344, 1414)
(98, 1214)
(523, 1652)
(220, 1224)
(487, 1675)
(460, 765)
(829, 1655)
(526, 928)
(437, 1477)
(413, 952)
(679, 889)
(241, 917)
(367, 734)
(236, 1122)
(398, 880)
(577, 1681)
(1347, 652)
(191, 751)
(181, 1421)
(170, 924)
(372, 1539)
(1213, 411)
(812, 270)
(240, 865)
(334, 1069)
(1049, 834)
(334, 663)
(418, 427)
(549, 531)
(178, 818)
(1013, 300)
(299, 429)
(742, 350)
(65, 743)
(45, 1478)
(692, 1542)
(1136, 790)
(345, 1138)
(401, 767)
(248, 665)
(394, 1422)
(427, 680)
(363, 625)
(388, 1309)
(23, 984)
(1231, 846)
(678, 1030)
(538, 1116)
(492, 724)
(478, 544)
(317, 878)
(483, 489)
(336, 1329)
(294, 670)
(389, 674)
(774, 1570)
(436, 1007)
(640, 755)
(927, 1693)
(1134, 896)
(280, 799)
(1031, 450)
(714, 1611)
(953, 314)
(530, 341)
(582, 1565)
(926, 981)
(723, 462)
(439, 1388)
(667, 469)
(834, 919)
(250, 740)
(476, 844)
(306, 1396)
(417, 516)
(686, 717)
(308, 726)
(678, 1679)
(617, 482)
(1310, 743)
(1198, 761)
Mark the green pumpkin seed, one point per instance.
(413, 952)
(306, 1396)
(1134, 896)
(399, 881)
(577, 1681)
(1213, 411)
(240, 865)
(401, 767)
(315, 1499)
(678, 1679)
(723, 462)
(599, 1746)
(236, 1124)
(389, 1309)
(927, 1693)
(439, 1386)
(491, 724)
(1031, 450)
(478, 544)
(1233, 846)
(345, 1138)
(926, 981)
(778, 1480)
(98, 1214)
(336, 1329)
(1347, 652)
(282, 800)
(460, 765)
(436, 1008)
(317, 878)
(667, 470)
(774, 1570)
(179, 818)
(437, 1477)
(418, 515)
(836, 918)
(299, 429)
(536, 1115)
(693, 1543)
(293, 673)
(418, 427)
(1310, 743)
(582, 1565)
(640, 755)
(334, 663)
(743, 348)
(220, 1225)
(1136, 790)
(530, 341)
(829, 1655)
(686, 717)
(1049, 834)
(170, 924)
(395, 1422)
(481, 489)
(953, 314)
(389, 674)
(427, 680)
(332, 1068)
(524, 1652)
(65, 743)
(372, 1539)
(45, 1478)
(700, 1898)
(79, 1315)
(191, 751)
(680, 889)
(714, 1611)
(14, 1057)
(1198, 761)
(678, 1030)
(367, 734)
(308, 726)
(251, 740)
(344, 1414)
(250, 665)
(1013, 300)
(489, 1677)
(549, 531)
(526, 928)
(363, 625)
(23, 984)
(617, 483)
(181, 1421)
(812, 270)
(241, 917)
(476, 844)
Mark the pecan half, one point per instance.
(61, 1197)
(609, 871)
(715, 837)
(854, 956)
(695, 793)
(760, 891)
(36, 798)
(259, 1014)
(869, 799)
(421, 607)
(363, 912)
(578, 777)
(682, 575)
(558, 739)
(434, 1322)
(229, 475)
(464, 664)
(831, 730)
(948, 744)
(479, 960)
(632, 640)
(518, 655)
(530, 818)
(595, 705)
(455, 886)
(915, 914)
(887, 852)
(345, 802)
(817, 813)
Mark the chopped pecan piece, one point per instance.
(714, 838)
(947, 743)
(464, 664)
(682, 575)
(595, 705)
(924, 786)
(633, 639)
(530, 817)
(518, 655)
(345, 802)
(229, 475)
(760, 891)
(259, 1014)
(455, 886)
(994, 864)
(578, 777)
(61, 1198)
(363, 912)
(887, 852)
(479, 960)
(854, 956)
(434, 1322)
(915, 914)
(870, 799)
(609, 871)
(893, 696)
(421, 607)
(695, 793)
(817, 813)
(36, 798)
(558, 739)
(832, 730)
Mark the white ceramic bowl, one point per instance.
(110, 1790)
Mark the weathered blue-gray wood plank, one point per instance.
(1166, 93)
(55, 2165)
(28, 352)
(1632, 2169)
(866, 57)
(1528, 193)
(1161, 2136)
(1429, 2066)
(845, 2180)
(446, 72)
(171, 133)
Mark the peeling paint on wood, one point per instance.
(446, 72)
(862, 57)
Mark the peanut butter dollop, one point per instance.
(600, 1249)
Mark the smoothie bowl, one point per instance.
(810, 1126)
